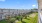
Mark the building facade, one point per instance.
(40, 10)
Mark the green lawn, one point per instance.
(31, 20)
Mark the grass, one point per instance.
(3, 21)
(31, 20)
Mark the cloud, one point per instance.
(33, 5)
(2, 0)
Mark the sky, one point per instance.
(18, 4)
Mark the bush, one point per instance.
(12, 20)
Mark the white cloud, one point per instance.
(2, 0)
(33, 5)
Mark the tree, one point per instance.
(12, 20)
